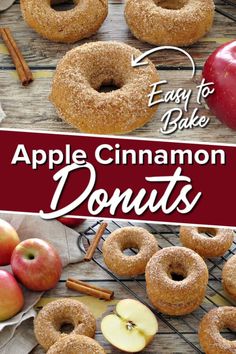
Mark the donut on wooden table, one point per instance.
(75, 344)
(169, 22)
(84, 70)
(70, 26)
(54, 315)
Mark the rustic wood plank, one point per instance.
(162, 344)
(20, 115)
(40, 52)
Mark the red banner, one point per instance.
(113, 177)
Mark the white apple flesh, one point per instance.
(131, 328)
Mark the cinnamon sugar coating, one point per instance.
(57, 313)
(169, 22)
(70, 26)
(124, 238)
(212, 323)
(81, 73)
(75, 344)
(181, 295)
(192, 237)
(229, 277)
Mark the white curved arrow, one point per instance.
(136, 62)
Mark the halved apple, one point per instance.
(131, 328)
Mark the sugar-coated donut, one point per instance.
(176, 280)
(65, 26)
(192, 237)
(169, 22)
(75, 344)
(229, 277)
(48, 323)
(56, 2)
(122, 239)
(212, 323)
(81, 73)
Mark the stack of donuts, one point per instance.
(80, 75)
(54, 315)
(177, 277)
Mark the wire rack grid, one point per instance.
(185, 327)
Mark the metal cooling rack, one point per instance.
(229, 11)
(186, 327)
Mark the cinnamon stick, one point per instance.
(22, 68)
(95, 242)
(88, 289)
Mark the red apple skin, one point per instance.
(36, 264)
(220, 68)
(70, 222)
(11, 296)
(8, 241)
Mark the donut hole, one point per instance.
(103, 76)
(227, 334)
(108, 86)
(171, 4)
(67, 327)
(66, 5)
(129, 248)
(177, 272)
(207, 231)
(106, 83)
(130, 252)
(177, 277)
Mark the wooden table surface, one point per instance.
(29, 108)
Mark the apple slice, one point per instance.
(131, 328)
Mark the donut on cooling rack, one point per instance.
(212, 323)
(65, 26)
(208, 247)
(122, 239)
(229, 277)
(53, 316)
(176, 280)
(75, 344)
(84, 70)
(169, 22)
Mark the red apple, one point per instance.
(220, 68)
(71, 222)
(8, 241)
(11, 296)
(36, 264)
